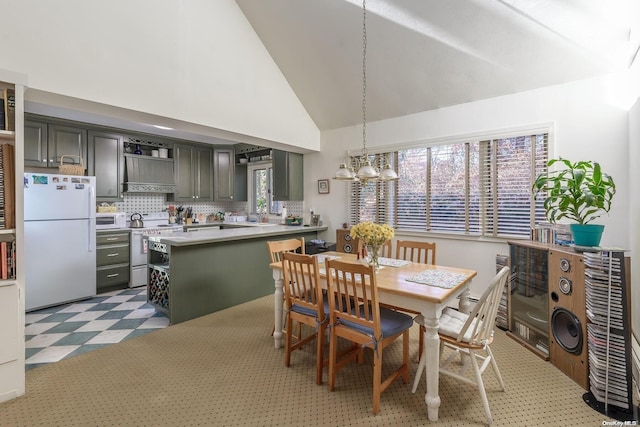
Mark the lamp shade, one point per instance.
(388, 174)
(343, 173)
(367, 171)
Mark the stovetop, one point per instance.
(155, 220)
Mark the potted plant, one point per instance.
(580, 192)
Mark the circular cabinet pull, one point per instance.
(565, 285)
(565, 265)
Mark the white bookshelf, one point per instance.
(12, 316)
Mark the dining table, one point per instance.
(423, 288)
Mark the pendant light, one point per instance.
(366, 172)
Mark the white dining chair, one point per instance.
(470, 334)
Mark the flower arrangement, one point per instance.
(371, 233)
(373, 236)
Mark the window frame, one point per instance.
(268, 166)
(482, 234)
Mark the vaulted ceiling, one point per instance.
(429, 54)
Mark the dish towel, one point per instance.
(440, 279)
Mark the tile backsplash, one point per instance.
(144, 203)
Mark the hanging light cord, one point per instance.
(364, 79)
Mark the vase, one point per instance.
(373, 253)
(586, 234)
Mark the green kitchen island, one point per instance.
(191, 274)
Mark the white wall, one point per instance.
(589, 124)
(197, 61)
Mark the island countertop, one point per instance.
(204, 235)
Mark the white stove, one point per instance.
(154, 223)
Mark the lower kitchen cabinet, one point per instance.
(112, 260)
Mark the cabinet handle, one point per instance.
(109, 276)
(112, 238)
(114, 254)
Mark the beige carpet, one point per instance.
(223, 370)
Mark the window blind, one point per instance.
(472, 187)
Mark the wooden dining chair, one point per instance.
(471, 334)
(386, 249)
(277, 247)
(364, 323)
(422, 252)
(304, 303)
(414, 251)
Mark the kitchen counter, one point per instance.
(226, 224)
(231, 232)
(191, 274)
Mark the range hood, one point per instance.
(144, 174)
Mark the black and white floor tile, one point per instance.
(55, 333)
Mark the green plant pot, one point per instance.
(586, 234)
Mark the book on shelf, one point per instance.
(546, 232)
(7, 191)
(4, 264)
(10, 110)
(3, 109)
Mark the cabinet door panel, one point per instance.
(35, 144)
(280, 175)
(66, 140)
(224, 174)
(106, 164)
(9, 336)
(182, 164)
(204, 178)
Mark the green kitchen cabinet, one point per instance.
(45, 143)
(35, 143)
(224, 174)
(106, 163)
(193, 173)
(287, 176)
(112, 260)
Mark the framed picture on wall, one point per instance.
(323, 186)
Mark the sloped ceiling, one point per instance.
(428, 54)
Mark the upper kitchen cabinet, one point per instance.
(224, 172)
(106, 163)
(287, 176)
(35, 143)
(45, 143)
(193, 173)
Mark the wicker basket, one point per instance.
(71, 169)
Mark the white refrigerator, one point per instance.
(60, 238)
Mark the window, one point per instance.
(478, 187)
(260, 189)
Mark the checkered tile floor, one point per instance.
(55, 333)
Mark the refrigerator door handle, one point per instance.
(92, 219)
(92, 237)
